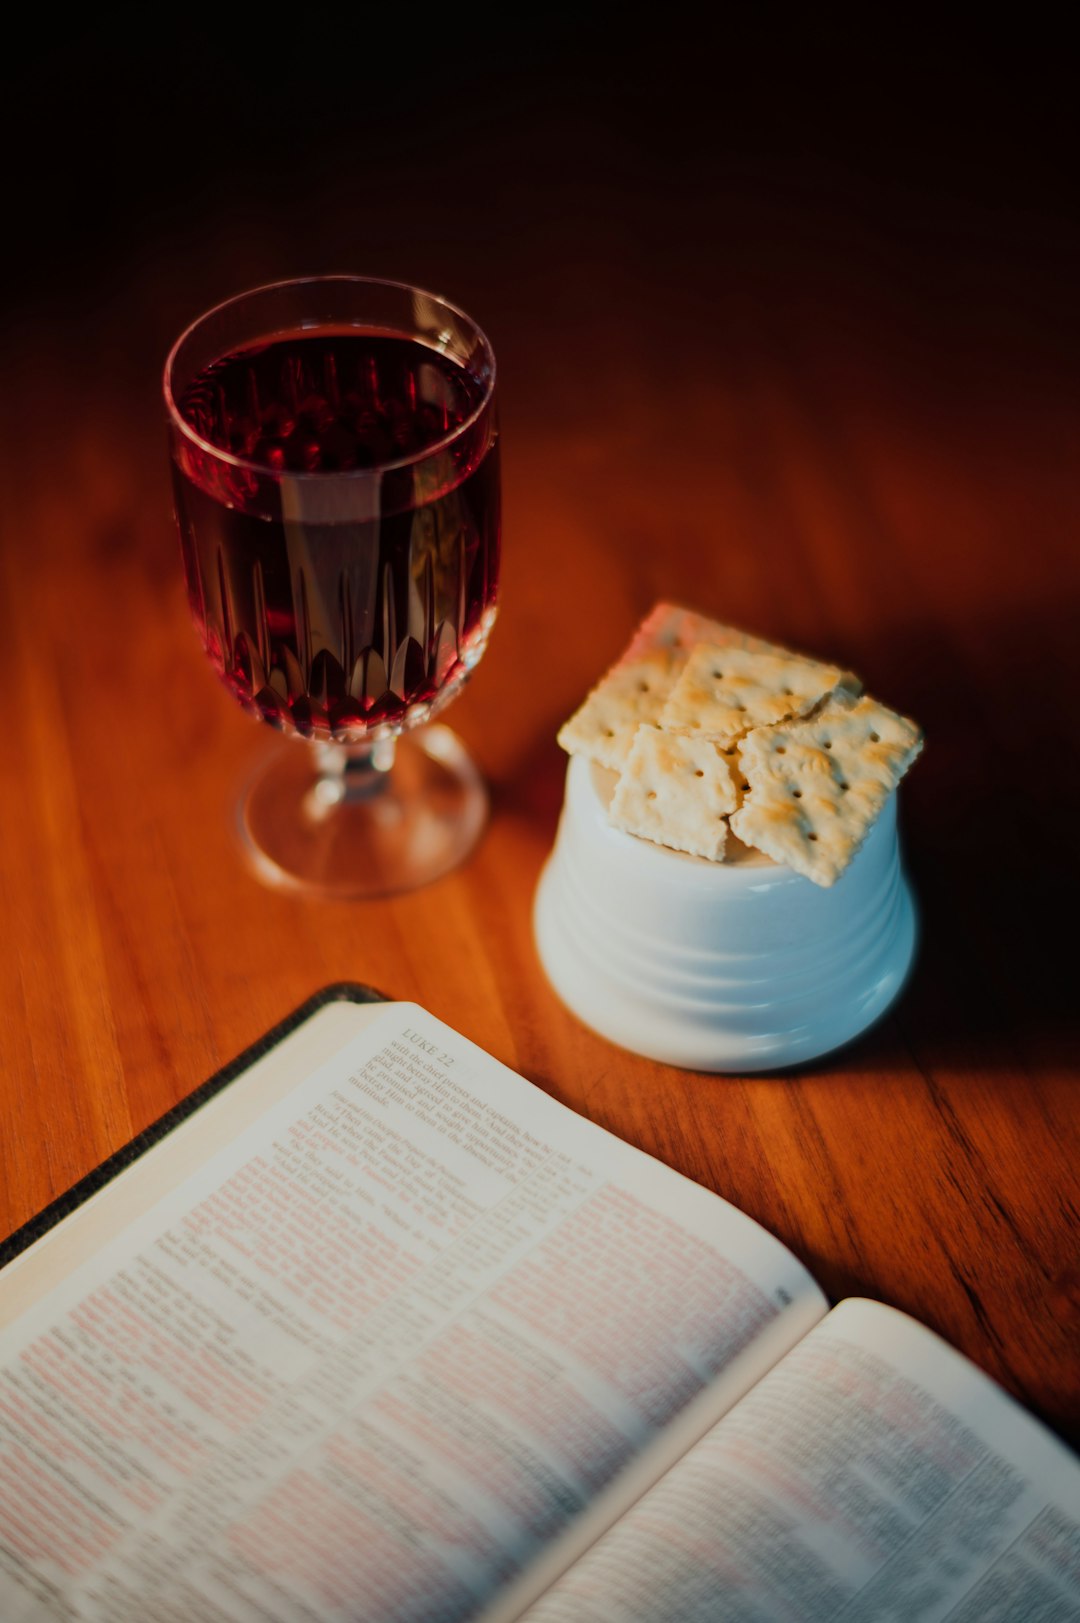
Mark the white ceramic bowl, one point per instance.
(735, 966)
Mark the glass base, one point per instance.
(345, 823)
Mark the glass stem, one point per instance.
(349, 774)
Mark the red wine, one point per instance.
(336, 601)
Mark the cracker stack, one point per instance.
(709, 728)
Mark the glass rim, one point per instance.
(264, 469)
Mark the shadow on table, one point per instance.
(991, 837)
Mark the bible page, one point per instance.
(874, 1476)
(374, 1356)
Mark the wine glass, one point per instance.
(335, 459)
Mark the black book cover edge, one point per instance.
(73, 1198)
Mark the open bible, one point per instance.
(381, 1331)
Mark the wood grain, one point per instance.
(844, 428)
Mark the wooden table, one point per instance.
(835, 406)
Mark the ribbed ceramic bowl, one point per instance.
(735, 966)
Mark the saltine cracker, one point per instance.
(724, 692)
(677, 791)
(816, 786)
